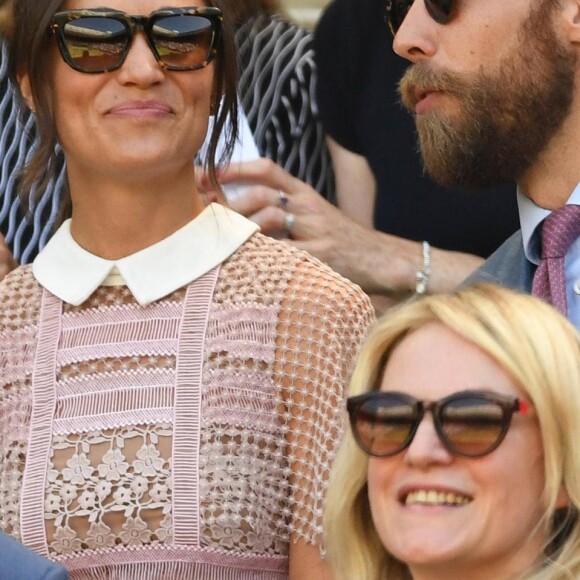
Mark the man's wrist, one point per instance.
(392, 271)
(423, 274)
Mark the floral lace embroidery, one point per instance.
(109, 488)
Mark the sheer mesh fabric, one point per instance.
(205, 422)
(19, 307)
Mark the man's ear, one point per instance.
(26, 90)
(570, 12)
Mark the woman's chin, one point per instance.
(429, 547)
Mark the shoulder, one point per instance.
(293, 272)
(20, 298)
(283, 256)
(347, 19)
(507, 266)
(337, 13)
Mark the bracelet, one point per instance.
(424, 272)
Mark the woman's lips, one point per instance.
(436, 498)
(141, 109)
(433, 495)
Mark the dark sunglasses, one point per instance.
(439, 10)
(97, 41)
(469, 423)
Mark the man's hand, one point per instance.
(376, 261)
(380, 263)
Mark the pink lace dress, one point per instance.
(188, 437)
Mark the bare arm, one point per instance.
(380, 263)
(356, 190)
(7, 262)
(355, 183)
(306, 564)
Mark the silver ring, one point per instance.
(289, 220)
(282, 199)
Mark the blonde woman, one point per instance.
(464, 410)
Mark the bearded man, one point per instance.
(493, 87)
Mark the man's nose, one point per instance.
(415, 39)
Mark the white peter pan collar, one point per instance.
(73, 274)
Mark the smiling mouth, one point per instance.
(436, 498)
(142, 108)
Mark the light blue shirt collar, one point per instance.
(531, 216)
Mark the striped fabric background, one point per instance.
(277, 90)
(17, 136)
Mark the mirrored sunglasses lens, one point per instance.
(183, 41)
(472, 426)
(396, 12)
(439, 10)
(95, 44)
(383, 425)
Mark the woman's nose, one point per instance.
(426, 448)
(141, 68)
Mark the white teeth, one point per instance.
(432, 497)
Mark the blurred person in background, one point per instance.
(277, 91)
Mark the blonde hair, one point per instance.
(540, 351)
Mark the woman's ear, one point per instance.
(26, 90)
(563, 499)
(216, 97)
(214, 106)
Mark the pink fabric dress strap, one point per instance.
(187, 422)
(33, 532)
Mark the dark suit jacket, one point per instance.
(19, 563)
(507, 266)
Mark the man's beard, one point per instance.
(501, 122)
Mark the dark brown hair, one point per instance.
(29, 51)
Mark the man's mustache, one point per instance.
(421, 79)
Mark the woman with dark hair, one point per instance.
(171, 379)
(276, 89)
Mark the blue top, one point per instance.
(17, 561)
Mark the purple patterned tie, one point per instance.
(559, 231)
